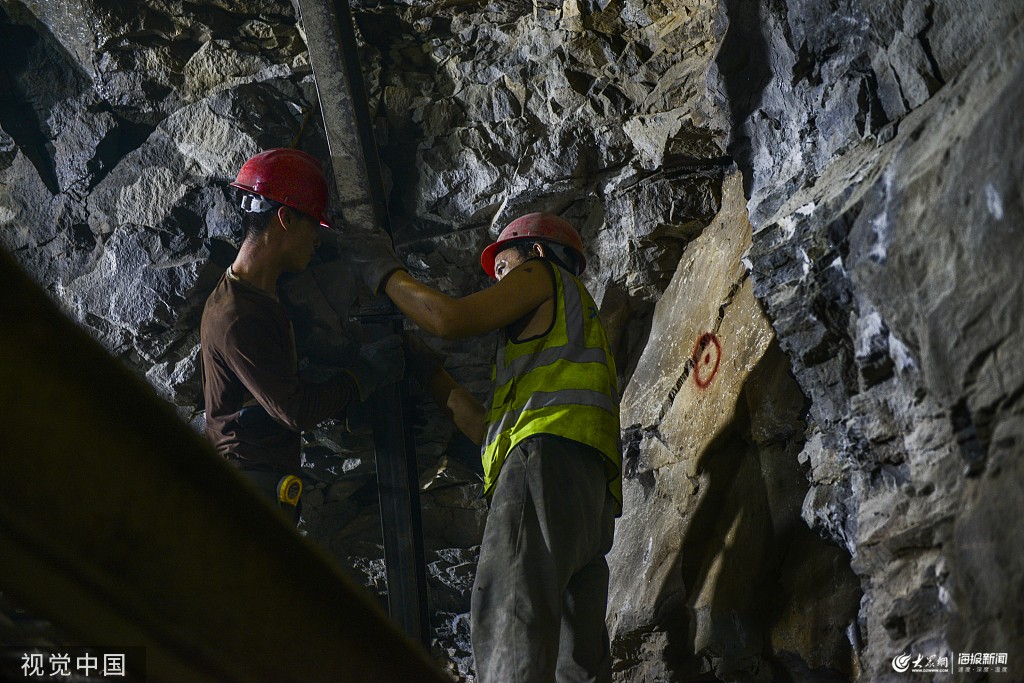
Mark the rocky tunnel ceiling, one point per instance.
(803, 223)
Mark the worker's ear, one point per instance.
(538, 250)
(284, 216)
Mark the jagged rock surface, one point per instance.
(713, 569)
(882, 252)
(879, 148)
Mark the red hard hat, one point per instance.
(287, 176)
(543, 226)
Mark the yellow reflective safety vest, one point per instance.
(561, 383)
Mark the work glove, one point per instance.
(370, 256)
(379, 363)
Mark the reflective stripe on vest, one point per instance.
(547, 399)
(562, 383)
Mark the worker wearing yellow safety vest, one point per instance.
(550, 447)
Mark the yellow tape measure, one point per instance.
(289, 489)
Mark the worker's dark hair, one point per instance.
(556, 253)
(255, 222)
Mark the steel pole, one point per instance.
(330, 35)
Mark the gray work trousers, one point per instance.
(541, 589)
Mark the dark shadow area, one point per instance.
(743, 65)
(33, 78)
(734, 494)
(37, 76)
(125, 137)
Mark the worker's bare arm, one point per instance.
(462, 408)
(514, 296)
(468, 413)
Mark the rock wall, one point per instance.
(802, 224)
(884, 173)
(714, 572)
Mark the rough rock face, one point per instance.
(855, 273)
(883, 246)
(713, 569)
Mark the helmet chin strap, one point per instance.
(252, 203)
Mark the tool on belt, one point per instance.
(289, 490)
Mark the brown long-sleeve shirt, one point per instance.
(256, 404)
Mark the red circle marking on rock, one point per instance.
(705, 368)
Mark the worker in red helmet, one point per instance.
(256, 403)
(550, 441)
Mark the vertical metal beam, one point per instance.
(398, 488)
(332, 51)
